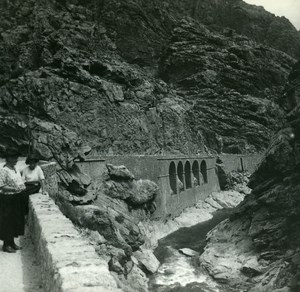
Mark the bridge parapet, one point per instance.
(68, 262)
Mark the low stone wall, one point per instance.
(68, 262)
(241, 162)
(51, 186)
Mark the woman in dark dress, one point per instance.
(11, 207)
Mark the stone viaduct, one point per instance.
(182, 180)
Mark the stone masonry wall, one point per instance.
(49, 170)
(68, 262)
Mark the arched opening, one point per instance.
(188, 177)
(196, 173)
(203, 169)
(172, 177)
(180, 176)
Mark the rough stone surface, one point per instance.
(51, 183)
(119, 183)
(202, 211)
(111, 223)
(102, 218)
(258, 247)
(139, 279)
(68, 262)
(111, 213)
(146, 191)
(250, 20)
(141, 77)
(120, 172)
(147, 260)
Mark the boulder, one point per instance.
(188, 252)
(120, 184)
(227, 199)
(118, 189)
(147, 261)
(119, 172)
(125, 235)
(145, 191)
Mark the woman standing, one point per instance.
(11, 208)
(34, 178)
(33, 174)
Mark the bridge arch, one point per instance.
(196, 173)
(188, 177)
(173, 177)
(203, 169)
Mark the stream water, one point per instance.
(178, 272)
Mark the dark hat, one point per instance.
(10, 152)
(32, 158)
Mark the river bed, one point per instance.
(178, 272)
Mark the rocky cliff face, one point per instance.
(156, 77)
(250, 20)
(113, 222)
(139, 76)
(262, 237)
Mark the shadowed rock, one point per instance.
(259, 244)
(147, 82)
(119, 183)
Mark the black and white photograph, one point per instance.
(149, 145)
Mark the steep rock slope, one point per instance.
(232, 83)
(140, 28)
(135, 77)
(250, 20)
(262, 237)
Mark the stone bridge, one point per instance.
(182, 180)
(67, 261)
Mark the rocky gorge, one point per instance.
(118, 224)
(97, 77)
(261, 238)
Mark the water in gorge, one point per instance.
(181, 273)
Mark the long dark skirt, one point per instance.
(11, 216)
(13, 209)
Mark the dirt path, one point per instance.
(19, 272)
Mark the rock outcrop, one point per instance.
(111, 221)
(143, 77)
(237, 16)
(259, 246)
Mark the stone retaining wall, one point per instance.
(68, 262)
